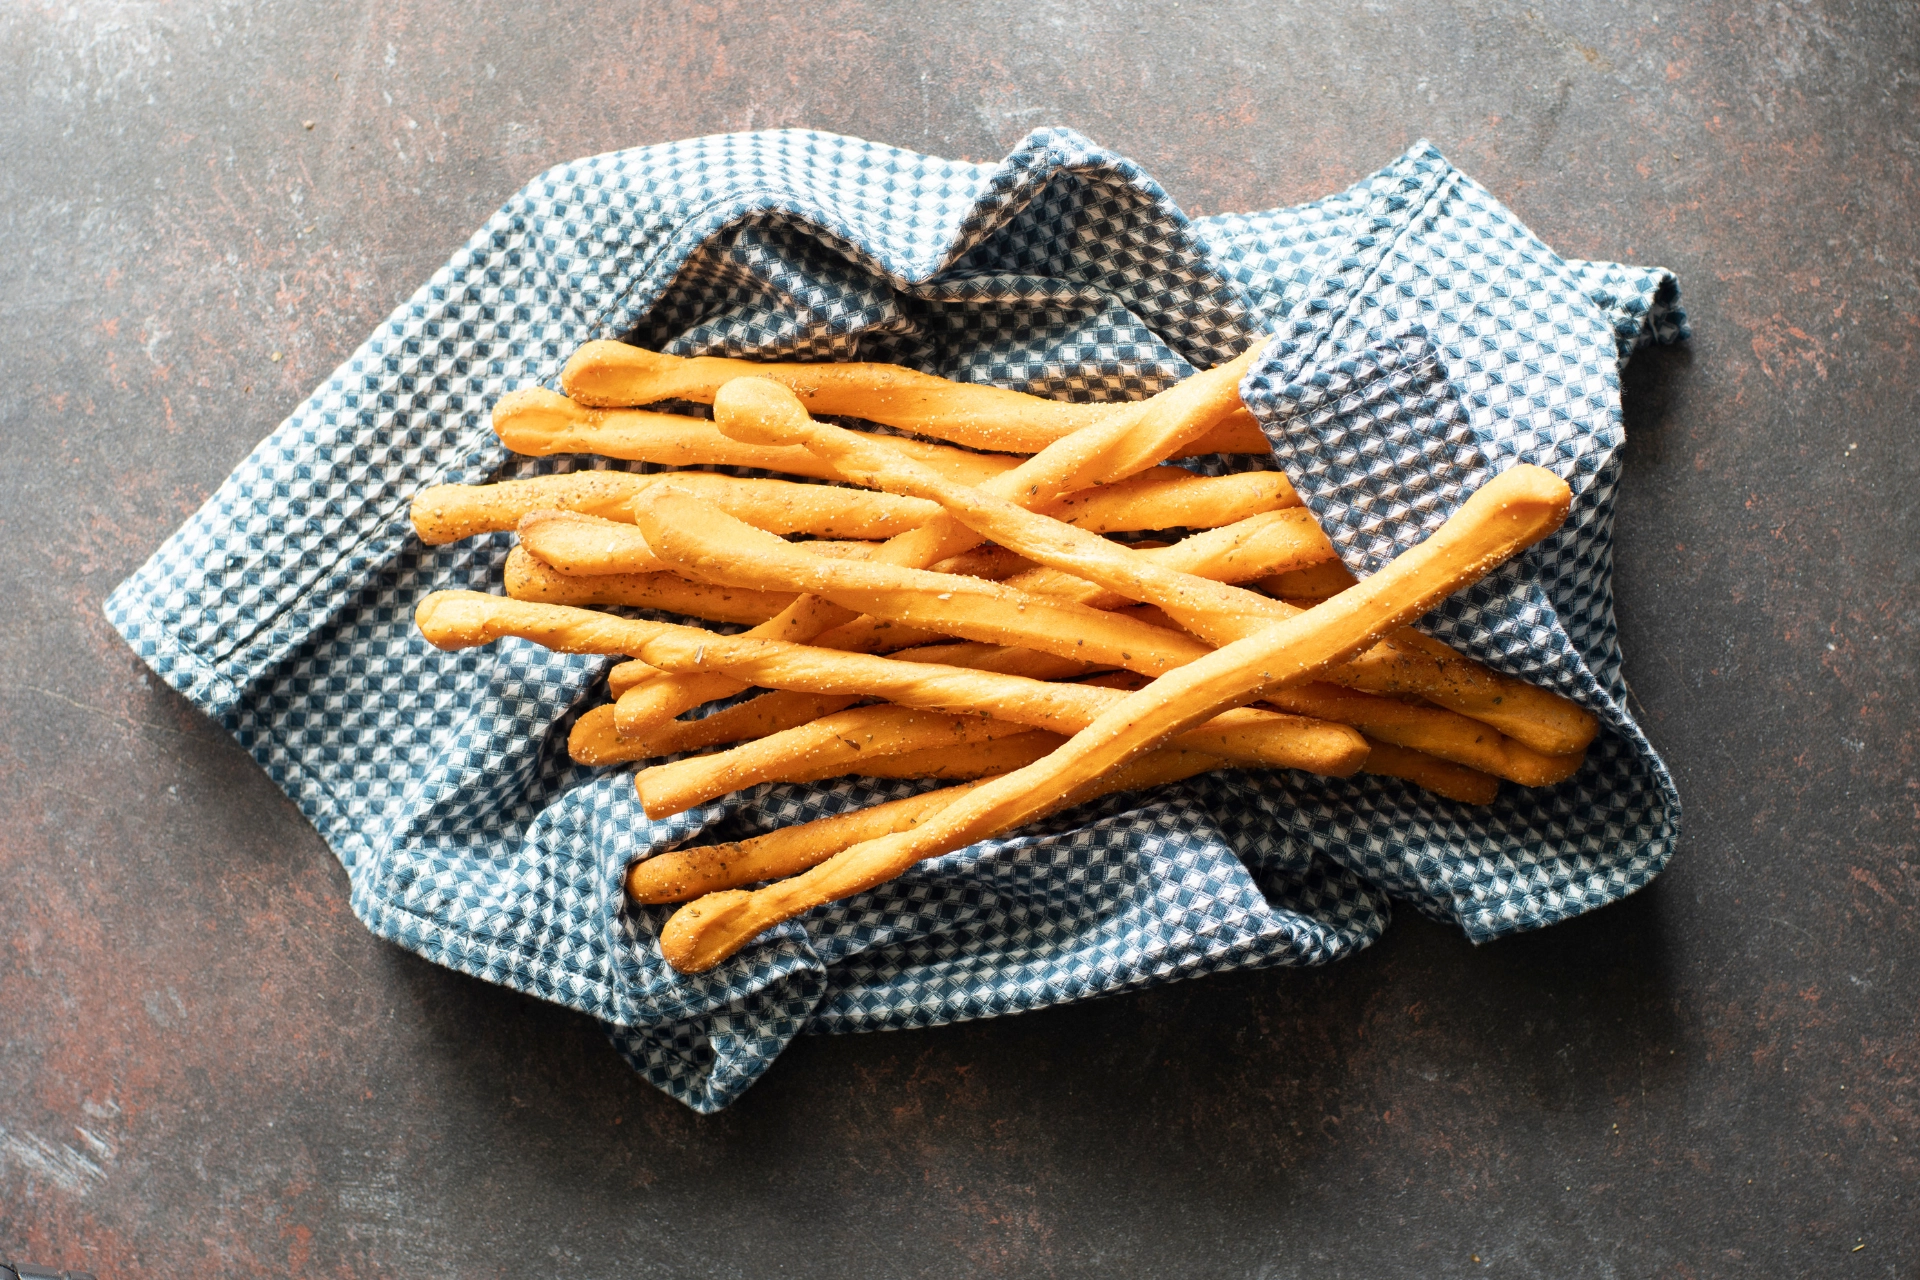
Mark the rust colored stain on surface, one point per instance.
(208, 1067)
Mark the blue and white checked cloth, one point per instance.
(1423, 340)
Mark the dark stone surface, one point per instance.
(208, 1068)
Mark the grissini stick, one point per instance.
(1508, 514)
(539, 423)
(528, 579)
(683, 874)
(616, 374)
(594, 742)
(975, 760)
(446, 513)
(1430, 773)
(584, 546)
(874, 741)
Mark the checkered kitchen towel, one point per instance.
(1422, 340)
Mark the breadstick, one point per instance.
(444, 513)
(539, 423)
(528, 579)
(1435, 731)
(825, 748)
(448, 512)
(1217, 612)
(1510, 513)
(1430, 773)
(1105, 451)
(1258, 546)
(862, 635)
(682, 874)
(585, 546)
(975, 760)
(1312, 582)
(1170, 498)
(1012, 659)
(613, 373)
(594, 742)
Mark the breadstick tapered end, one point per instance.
(536, 421)
(454, 619)
(708, 930)
(597, 372)
(760, 411)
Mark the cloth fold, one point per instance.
(1422, 340)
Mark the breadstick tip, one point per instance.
(454, 619)
(591, 375)
(1525, 486)
(708, 930)
(760, 411)
(530, 419)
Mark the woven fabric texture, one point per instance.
(1422, 339)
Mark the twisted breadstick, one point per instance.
(878, 741)
(528, 579)
(538, 422)
(448, 512)
(613, 373)
(682, 874)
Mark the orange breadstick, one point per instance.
(528, 579)
(1430, 773)
(448, 512)
(539, 423)
(613, 373)
(681, 874)
(850, 741)
(593, 740)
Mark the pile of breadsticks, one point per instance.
(952, 607)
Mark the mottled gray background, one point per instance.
(209, 1068)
